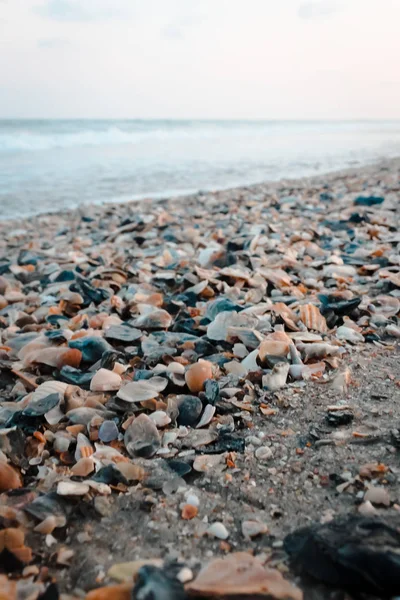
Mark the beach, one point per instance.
(189, 377)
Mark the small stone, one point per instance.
(72, 488)
(367, 509)
(108, 431)
(142, 438)
(189, 512)
(276, 380)
(190, 408)
(218, 530)
(252, 529)
(377, 495)
(263, 454)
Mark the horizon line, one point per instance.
(203, 119)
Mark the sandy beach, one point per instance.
(194, 377)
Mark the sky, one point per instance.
(231, 59)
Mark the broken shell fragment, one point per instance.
(276, 380)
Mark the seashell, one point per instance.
(251, 529)
(393, 330)
(221, 328)
(207, 462)
(72, 297)
(108, 431)
(313, 371)
(130, 471)
(160, 418)
(389, 306)
(241, 575)
(139, 391)
(272, 348)
(311, 317)
(122, 333)
(83, 447)
(319, 350)
(197, 374)
(49, 524)
(83, 467)
(207, 416)
(11, 538)
(218, 530)
(41, 406)
(156, 319)
(83, 415)
(72, 488)
(49, 387)
(10, 479)
(276, 380)
(250, 362)
(339, 271)
(142, 438)
(91, 347)
(348, 334)
(105, 381)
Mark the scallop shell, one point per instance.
(311, 316)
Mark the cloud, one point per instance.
(83, 10)
(50, 43)
(322, 8)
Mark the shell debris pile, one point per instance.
(137, 341)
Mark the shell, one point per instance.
(105, 381)
(311, 316)
(272, 348)
(139, 391)
(276, 380)
(10, 479)
(241, 575)
(197, 374)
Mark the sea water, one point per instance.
(52, 165)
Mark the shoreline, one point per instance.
(264, 186)
(200, 376)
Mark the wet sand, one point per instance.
(192, 377)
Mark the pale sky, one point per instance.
(272, 59)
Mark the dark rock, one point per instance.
(355, 553)
(211, 391)
(153, 583)
(368, 200)
(335, 418)
(190, 409)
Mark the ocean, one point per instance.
(52, 165)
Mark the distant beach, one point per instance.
(58, 165)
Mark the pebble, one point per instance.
(218, 530)
(263, 453)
